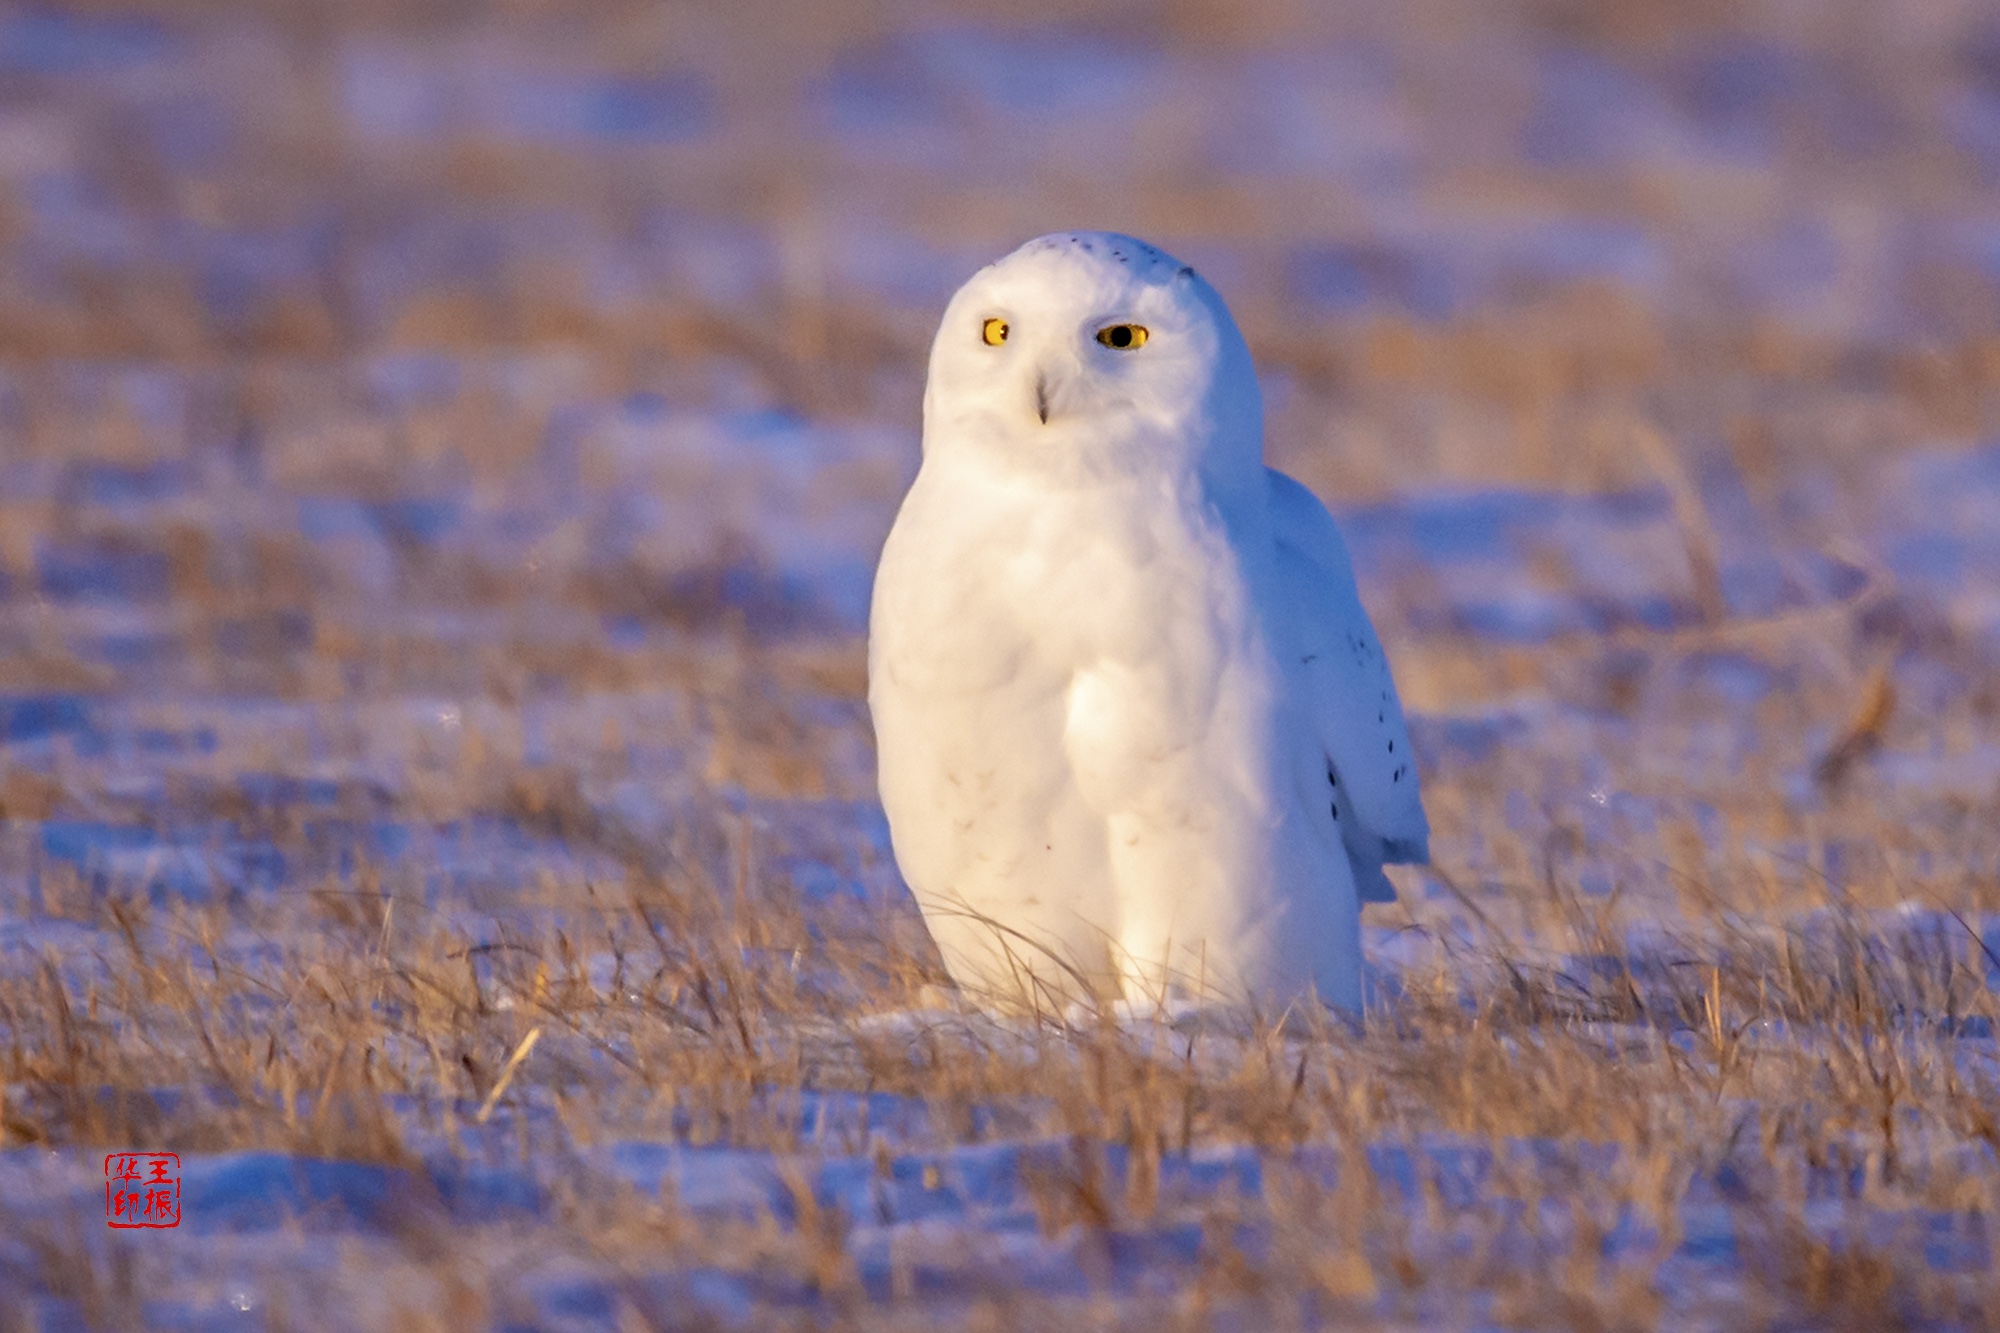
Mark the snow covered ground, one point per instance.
(442, 459)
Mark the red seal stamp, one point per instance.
(142, 1189)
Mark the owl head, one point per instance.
(1086, 357)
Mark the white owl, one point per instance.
(1138, 741)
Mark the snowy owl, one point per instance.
(1138, 741)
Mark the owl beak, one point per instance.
(1055, 382)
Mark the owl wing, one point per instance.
(1372, 788)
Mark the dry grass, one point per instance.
(1508, 1139)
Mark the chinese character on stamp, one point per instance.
(142, 1189)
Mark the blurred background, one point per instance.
(444, 448)
(393, 394)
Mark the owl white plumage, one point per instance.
(1137, 738)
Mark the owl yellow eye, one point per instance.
(1124, 337)
(993, 332)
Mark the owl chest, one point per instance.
(1158, 592)
(1009, 598)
